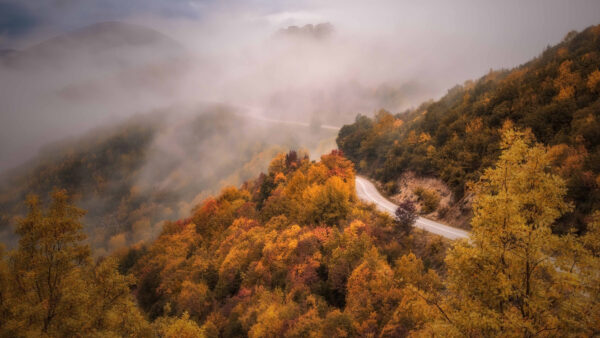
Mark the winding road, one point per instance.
(366, 191)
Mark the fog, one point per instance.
(381, 54)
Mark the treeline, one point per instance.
(293, 253)
(556, 95)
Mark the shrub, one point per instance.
(429, 199)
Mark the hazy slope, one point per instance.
(556, 95)
(136, 174)
(80, 80)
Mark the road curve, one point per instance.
(366, 191)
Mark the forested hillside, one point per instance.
(100, 168)
(293, 253)
(556, 95)
(177, 169)
(284, 254)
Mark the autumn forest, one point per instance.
(219, 219)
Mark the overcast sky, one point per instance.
(435, 44)
(491, 34)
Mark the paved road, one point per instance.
(366, 191)
(295, 123)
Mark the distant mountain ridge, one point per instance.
(96, 40)
(318, 31)
(109, 34)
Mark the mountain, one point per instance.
(105, 40)
(556, 96)
(319, 31)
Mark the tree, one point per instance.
(420, 297)
(173, 327)
(110, 307)
(505, 280)
(50, 253)
(593, 80)
(194, 298)
(345, 253)
(50, 287)
(429, 198)
(406, 215)
(328, 203)
(372, 294)
(337, 324)
(579, 257)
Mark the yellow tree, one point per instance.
(372, 294)
(329, 203)
(50, 288)
(177, 327)
(50, 252)
(107, 304)
(505, 280)
(578, 257)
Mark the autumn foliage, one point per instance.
(292, 253)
